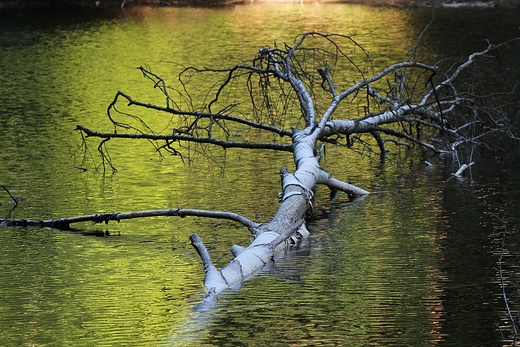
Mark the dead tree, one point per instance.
(319, 91)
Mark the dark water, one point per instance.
(411, 265)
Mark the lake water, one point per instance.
(410, 265)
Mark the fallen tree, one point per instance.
(320, 91)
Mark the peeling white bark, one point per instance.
(249, 260)
(463, 168)
(285, 229)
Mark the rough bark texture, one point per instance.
(286, 229)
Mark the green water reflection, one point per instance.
(380, 272)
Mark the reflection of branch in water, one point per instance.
(514, 320)
(194, 328)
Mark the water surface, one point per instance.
(411, 264)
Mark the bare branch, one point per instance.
(64, 223)
(13, 199)
(238, 120)
(403, 135)
(298, 87)
(334, 184)
(362, 84)
(159, 82)
(216, 142)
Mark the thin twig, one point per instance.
(14, 200)
(501, 275)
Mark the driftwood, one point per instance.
(396, 111)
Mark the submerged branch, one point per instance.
(248, 261)
(64, 223)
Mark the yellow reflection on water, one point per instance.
(141, 282)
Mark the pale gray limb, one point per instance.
(248, 261)
(463, 168)
(334, 184)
